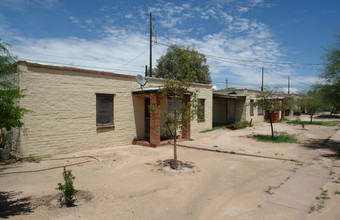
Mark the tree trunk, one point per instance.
(175, 143)
(332, 111)
(311, 119)
(271, 124)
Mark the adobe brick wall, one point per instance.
(63, 105)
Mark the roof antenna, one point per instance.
(141, 80)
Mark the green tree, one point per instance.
(183, 62)
(10, 113)
(312, 103)
(270, 102)
(330, 74)
(185, 106)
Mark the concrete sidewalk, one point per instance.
(295, 197)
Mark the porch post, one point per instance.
(155, 120)
(186, 122)
(283, 112)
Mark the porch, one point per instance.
(149, 108)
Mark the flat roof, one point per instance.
(79, 70)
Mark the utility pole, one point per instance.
(262, 79)
(288, 84)
(226, 83)
(150, 74)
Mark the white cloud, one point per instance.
(129, 15)
(243, 9)
(44, 3)
(74, 19)
(124, 49)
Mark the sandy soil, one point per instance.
(128, 183)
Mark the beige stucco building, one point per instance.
(75, 109)
(234, 105)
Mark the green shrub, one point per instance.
(67, 195)
(328, 116)
(297, 112)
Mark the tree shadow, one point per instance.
(10, 206)
(331, 145)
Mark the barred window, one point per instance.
(251, 106)
(260, 110)
(171, 108)
(201, 114)
(104, 108)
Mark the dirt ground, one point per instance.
(128, 182)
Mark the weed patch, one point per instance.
(320, 201)
(280, 137)
(213, 129)
(271, 189)
(323, 123)
(33, 159)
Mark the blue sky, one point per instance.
(238, 37)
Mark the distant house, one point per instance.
(234, 105)
(76, 109)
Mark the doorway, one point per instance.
(231, 111)
(146, 119)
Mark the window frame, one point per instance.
(201, 108)
(178, 107)
(110, 124)
(259, 110)
(251, 110)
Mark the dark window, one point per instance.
(104, 108)
(259, 110)
(251, 107)
(201, 114)
(172, 106)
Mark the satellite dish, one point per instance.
(141, 81)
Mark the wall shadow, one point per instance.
(10, 206)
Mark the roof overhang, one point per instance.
(151, 90)
(223, 96)
(148, 90)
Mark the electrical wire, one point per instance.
(130, 61)
(254, 61)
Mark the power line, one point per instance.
(130, 61)
(254, 61)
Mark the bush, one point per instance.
(328, 116)
(67, 195)
(297, 112)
